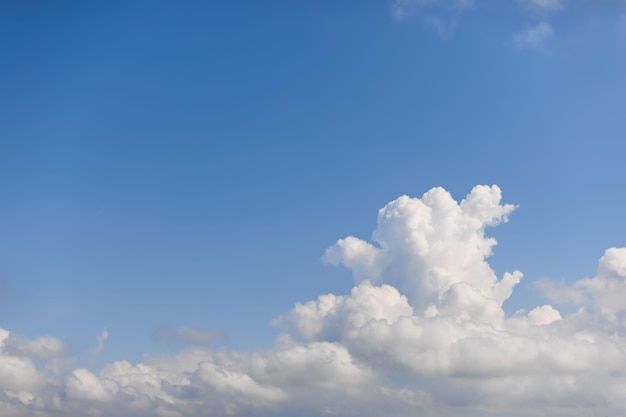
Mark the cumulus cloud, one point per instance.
(40, 347)
(604, 294)
(422, 332)
(18, 371)
(436, 239)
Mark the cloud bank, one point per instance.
(422, 332)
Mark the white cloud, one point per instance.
(45, 347)
(422, 332)
(238, 384)
(18, 372)
(605, 293)
(433, 238)
(439, 15)
(543, 315)
(534, 37)
(443, 16)
(100, 339)
(81, 384)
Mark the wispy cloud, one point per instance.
(100, 340)
(534, 37)
(401, 8)
(443, 16)
(547, 4)
(444, 27)
(439, 15)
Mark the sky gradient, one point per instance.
(204, 208)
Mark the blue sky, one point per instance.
(169, 168)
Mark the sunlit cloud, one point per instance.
(423, 331)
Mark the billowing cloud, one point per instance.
(441, 242)
(604, 294)
(18, 371)
(422, 332)
(45, 347)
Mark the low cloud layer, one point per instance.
(422, 332)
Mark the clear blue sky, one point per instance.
(187, 164)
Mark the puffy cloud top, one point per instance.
(433, 249)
